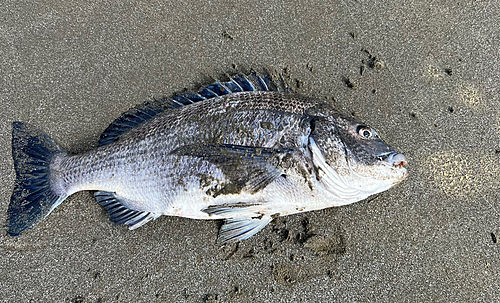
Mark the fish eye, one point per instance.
(364, 131)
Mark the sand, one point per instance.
(426, 76)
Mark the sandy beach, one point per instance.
(425, 75)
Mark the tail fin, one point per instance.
(32, 198)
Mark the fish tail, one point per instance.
(32, 199)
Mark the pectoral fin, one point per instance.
(248, 168)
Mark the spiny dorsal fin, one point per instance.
(144, 112)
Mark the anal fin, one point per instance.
(237, 229)
(120, 214)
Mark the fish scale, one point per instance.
(246, 150)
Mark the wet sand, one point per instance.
(425, 76)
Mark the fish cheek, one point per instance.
(334, 150)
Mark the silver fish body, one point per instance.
(243, 156)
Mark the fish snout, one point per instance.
(397, 159)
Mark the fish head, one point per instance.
(351, 160)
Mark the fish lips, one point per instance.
(386, 154)
(393, 159)
(379, 153)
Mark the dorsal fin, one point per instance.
(144, 112)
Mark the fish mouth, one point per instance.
(394, 159)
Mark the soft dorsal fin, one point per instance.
(144, 112)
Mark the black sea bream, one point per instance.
(246, 151)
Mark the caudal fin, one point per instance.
(32, 198)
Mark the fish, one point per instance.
(245, 150)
